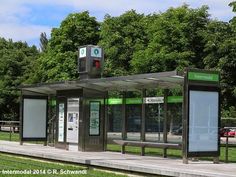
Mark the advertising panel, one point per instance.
(203, 121)
(72, 120)
(34, 118)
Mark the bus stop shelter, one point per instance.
(81, 111)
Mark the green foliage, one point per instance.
(121, 37)
(16, 59)
(133, 43)
(59, 61)
(229, 113)
(220, 52)
(175, 41)
(43, 41)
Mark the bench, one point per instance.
(144, 144)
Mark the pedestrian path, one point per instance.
(126, 162)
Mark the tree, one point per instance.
(220, 52)
(15, 62)
(43, 41)
(121, 37)
(175, 41)
(59, 61)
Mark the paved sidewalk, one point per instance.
(118, 161)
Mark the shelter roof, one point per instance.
(170, 79)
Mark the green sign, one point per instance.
(174, 99)
(116, 101)
(203, 76)
(113, 101)
(134, 101)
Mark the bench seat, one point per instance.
(144, 144)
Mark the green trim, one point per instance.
(174, 99)
(212, 77)
(114, 101)
(118, 101)
(134, 101)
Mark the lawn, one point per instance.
(45, 168)
(136, 150)
(170, 152)
(6, 136)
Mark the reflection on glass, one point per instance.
(154, 122)
(174, 123)
(133, 121)
(114, 122)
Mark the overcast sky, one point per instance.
(25, 19)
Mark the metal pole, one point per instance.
(10, 131)
(106, 123)
(159, 122)
(226, 147)
(143, 121)
(165, 122)
(21, 119)
(124, 119)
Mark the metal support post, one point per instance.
(106, 123)
(165, 122)
(124, 119)
(143, 122)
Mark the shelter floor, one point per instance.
(126, 162)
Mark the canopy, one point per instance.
(169, 79)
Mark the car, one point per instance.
(231, 133)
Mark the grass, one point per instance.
(136, 150)
(15, 137)
(12, 162)
(6, 136)
(171, 152)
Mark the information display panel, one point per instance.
(72, 120)
(94, 118)
(203, 121)
(61, 122)
(34, 118)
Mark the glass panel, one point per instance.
(114, 122)
(174, 126)
(133, 121)
(154, 122)
(94, 118)
(203, 121)
(34, 118)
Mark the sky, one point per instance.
(24, 20)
